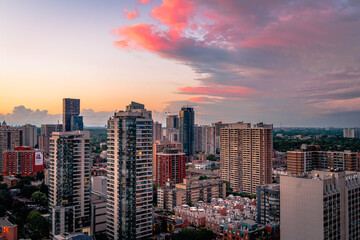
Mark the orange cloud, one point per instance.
(131, 14)
(145, 1)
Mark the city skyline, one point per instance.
(293, 63)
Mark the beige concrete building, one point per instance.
(245, 155)
(320, 205)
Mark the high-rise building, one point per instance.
(268, 203)
(157, 131)
(10, 138)
(320, 205)
(351, 133)
(170, 166)
(245, 158)
(69, 182)
(29, 135)
(172, 121)
(160, 146)
(217, 127)
(45, 134)
(311, 157)
(204, 139)
(24, 161)
(71, 111)
(186, 126)
(129, 159)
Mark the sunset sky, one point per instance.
(295, 63)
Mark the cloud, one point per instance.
(131, 14)
(201, 100)
(145, 1)
(302, 56)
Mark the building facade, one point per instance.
(310, 157)
(24, 161)
(245, 156)
(320, 205)
(71, 111)
(30, 136)
(129, 159)
(268, 203)
(157, 131)
(170, 166)
(45, 134)
(186, 130)
(69, 182)
(10, 138)
(160, 146)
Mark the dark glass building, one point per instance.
(187, 138)
(71, 119)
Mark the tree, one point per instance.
(38, 225)
(204, 177)
(44, 188)
(27, 191)
(211, 157)
(39, 198)
(40, 175)
(201, 234)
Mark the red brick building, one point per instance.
(170, 166)
(24, 161)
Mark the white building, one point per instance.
(129, 195)
(320, 205)
(69, 182)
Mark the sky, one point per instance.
(286, 62)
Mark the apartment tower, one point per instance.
(71, 119)
(245, 155)
(320, 205)
(187, 138)
(69, 182)
(129, 195)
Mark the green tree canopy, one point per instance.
(38, 225)
(211, 157)
(39, 198)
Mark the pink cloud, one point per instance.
(141, 36)
(201, 99)
(145, 1)
(219, 90)
(131, 14)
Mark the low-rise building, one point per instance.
(9, 231)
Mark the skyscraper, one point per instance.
(69, 182)
(187, 138)
(46, 131)
(170, 166)
(157, 131)
(320, 205)
(71, 111)
(129, 207)
(246, 152)
(172, 121)
(29, 135)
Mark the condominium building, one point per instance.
(190, 191)
(351, 133)
(160, 146)
(30, 136)
(157, 131)
(217, 128)
(170, 166)
(320, 205)
(204, 139)
(172, 121)
(10, 138)
(129, 163)
(268, 203)
(310, 157)
(186, 123)
(71, 111)
(24, 161)
(245, 156)
(45, 134)
(69, 182)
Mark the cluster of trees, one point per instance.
(230, 191)
(329, 140)
(97, 135)
(201, 234)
